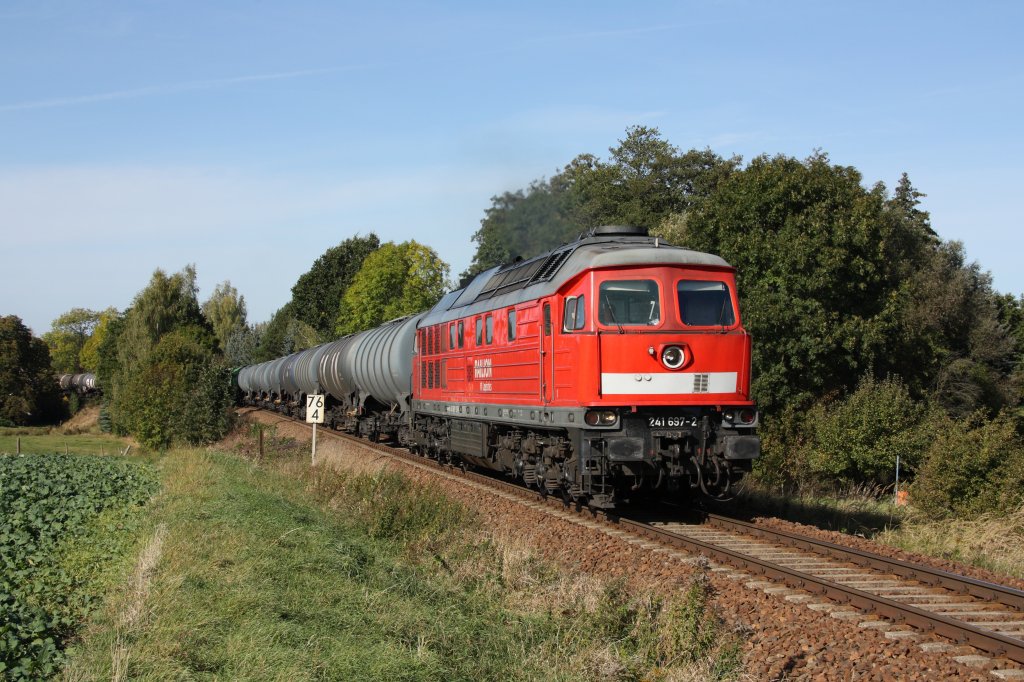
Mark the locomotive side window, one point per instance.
(479, 331)
(569, 315)
(462, 333)
(581, 313)
(451, 336)
(632, 302)
(705, 304)
(511, 324)
(489, 329)
(575, 316)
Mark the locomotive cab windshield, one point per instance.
(705, 304)
(629, 302)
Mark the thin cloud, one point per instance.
(169, 89)
(173, 88)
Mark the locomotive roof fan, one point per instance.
(618, 231)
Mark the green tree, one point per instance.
(395, 280)
(859, 438)
(88, 357)
(181, 395)
(317, 293)
(644, 181)
(68, 336)
(163, 367)
(822, 268)
(522, 223)
(243, 345)
(972, 466)
(1011, 316)
(225, 311)
(276, 341)
(29, 393)
(957, 337)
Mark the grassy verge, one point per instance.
(279, 572)
(994, 542)
(855, 511)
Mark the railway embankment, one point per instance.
(785, 633)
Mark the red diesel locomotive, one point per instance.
(611, 368)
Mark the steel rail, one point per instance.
(956, 630)
(959, 631)
(935, 577)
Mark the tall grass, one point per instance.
(865, 510)
(992, 541)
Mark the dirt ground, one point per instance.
(83, 420)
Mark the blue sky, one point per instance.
(248, 137)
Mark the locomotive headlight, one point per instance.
(747, 416)
(673, 357)
(600, 417)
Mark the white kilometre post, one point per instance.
(314, 416)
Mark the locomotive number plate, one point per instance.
(671, 422)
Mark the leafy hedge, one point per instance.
(61, 518)
(972, 467)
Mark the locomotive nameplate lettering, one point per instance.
(482, 368)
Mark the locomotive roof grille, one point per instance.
(520, 275)
(604, 247)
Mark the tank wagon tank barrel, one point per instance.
(82, 383)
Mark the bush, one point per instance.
(182, 393)
(857, 440)
(971, 467)
(851, 441)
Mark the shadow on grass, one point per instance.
(866, 513)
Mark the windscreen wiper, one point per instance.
(608, 307)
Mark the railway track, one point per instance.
(874, 590)
(983, 615)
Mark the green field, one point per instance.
(68, 523)
(44, 440)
